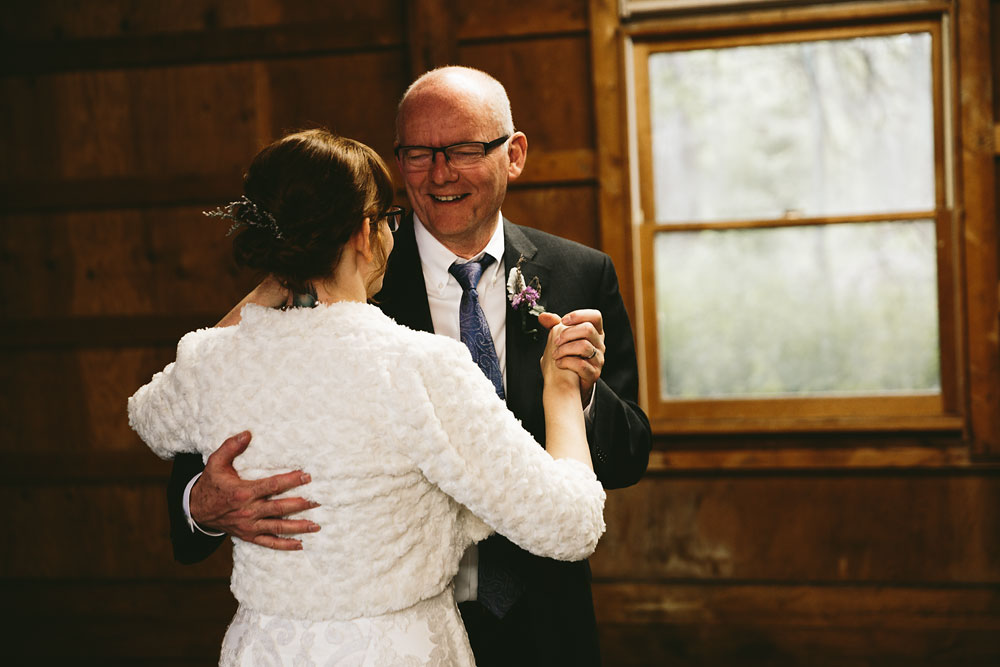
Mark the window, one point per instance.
(794, 235)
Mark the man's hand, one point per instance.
(222, 502)
(580, 347)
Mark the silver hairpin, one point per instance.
(245, 211)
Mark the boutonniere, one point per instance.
(524, 296)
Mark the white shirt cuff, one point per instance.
(466, 581)
(186, 502)
(588, 410)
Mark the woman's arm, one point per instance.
(565, 429)
(269, 293)
(470, 445)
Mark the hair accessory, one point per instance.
(245, 211)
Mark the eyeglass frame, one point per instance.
(487, 147)
(392, 216)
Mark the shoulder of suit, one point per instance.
(545, 241)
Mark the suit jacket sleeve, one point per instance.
(618, 432)
(190, 546)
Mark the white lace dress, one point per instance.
(412, 457)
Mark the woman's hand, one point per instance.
(557, 372)
(565, 430)
(269, 293)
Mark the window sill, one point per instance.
(864, 458)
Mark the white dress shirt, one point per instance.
(444, 295)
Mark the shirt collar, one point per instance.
(435, 258)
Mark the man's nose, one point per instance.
(441, 169)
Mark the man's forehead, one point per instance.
(441, 125)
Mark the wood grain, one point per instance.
(125, 120)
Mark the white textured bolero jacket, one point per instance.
(413, 457)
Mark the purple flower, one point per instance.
(527, 295)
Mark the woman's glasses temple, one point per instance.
(392, 218)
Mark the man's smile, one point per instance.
(448, 198)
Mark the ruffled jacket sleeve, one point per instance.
(164, 412)
(484, 459)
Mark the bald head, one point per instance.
(472, 90)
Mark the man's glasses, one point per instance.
(460, 156)
(392, 218)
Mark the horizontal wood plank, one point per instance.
(832, 527)
(160, 621)
(107, 531)
(124, 331)
(855, 457)
(683, 624)
(66, 401)
(553, 105)
(847, 606)
(567, 211)
(54, 20)
(935, 529)
(183, 48)
(508, 19)
(119, 193)
(135, 132)
(132, 464)
(159, 262)
(144, 622)
(22, 197)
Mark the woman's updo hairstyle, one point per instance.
(319, 188)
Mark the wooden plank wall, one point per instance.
(123, 120)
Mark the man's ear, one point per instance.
(518, 153)
(361, 240)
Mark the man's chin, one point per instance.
(444, 224)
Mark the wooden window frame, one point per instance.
(920, 411)
(967, 412)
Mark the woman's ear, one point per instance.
(361, 240)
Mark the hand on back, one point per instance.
(221, 501)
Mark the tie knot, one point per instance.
(468, 274)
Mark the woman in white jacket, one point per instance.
(412, 454)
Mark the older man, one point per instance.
(457, 150)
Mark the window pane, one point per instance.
(836, 127)
(830, 309)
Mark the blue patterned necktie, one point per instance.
(474, 331)
(499, 587)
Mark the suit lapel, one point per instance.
(403, 296)
(404, 299)
(523, 349)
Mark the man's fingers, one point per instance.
(285, 527)
(590, 315)
(582, 331)
(548, 320)
(283, 507)
(582, 349)
(230, 449)
(587, 371)
(279, 543)
(276, 484)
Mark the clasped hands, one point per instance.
(223, 502)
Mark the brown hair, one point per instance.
(319, 188)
